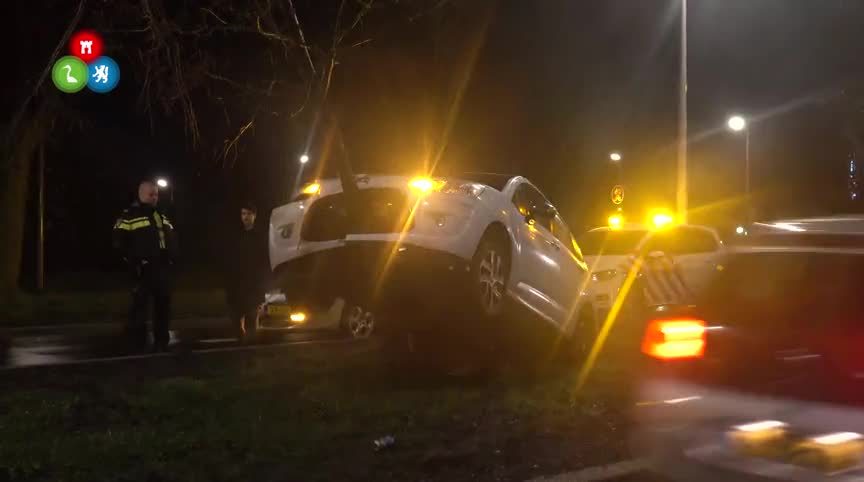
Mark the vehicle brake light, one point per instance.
(674, 339)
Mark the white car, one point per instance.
(471, 245)
(763, 378)
(696, 252)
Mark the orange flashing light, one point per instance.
(674, 339)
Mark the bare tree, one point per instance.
(182, 57)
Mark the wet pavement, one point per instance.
(63, 344)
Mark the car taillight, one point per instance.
(674, 339)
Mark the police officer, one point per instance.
(147, 241)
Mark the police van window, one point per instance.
(692, 241)
(529, 200)
(660, 241)
(681, 240)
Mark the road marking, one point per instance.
(171, 354)
(599, 472)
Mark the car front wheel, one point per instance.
(490, 272)
(358, 322)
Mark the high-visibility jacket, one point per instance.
(144, 232)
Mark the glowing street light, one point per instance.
(162, 182)
(737, 123)
(304, 158)
(615, 157)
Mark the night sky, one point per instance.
(555, 85)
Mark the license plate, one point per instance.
(279, 310)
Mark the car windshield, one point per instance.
(595, 243)
(783, 290)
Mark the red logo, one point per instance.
(86, 45)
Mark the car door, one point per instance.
(696, 253)
(536, 268)
(573, 269)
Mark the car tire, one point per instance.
(584, 333)
(357, 322)
(490, 273)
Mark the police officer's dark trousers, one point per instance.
(152, 281)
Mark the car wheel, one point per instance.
(490, 273)
(358, 322)
(584, 333)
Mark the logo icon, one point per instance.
(103, 75)
(617, 194)
(69, 74)
(86, 45)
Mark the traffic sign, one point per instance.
(617, 194)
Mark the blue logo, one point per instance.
(104, 74)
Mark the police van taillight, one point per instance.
(674, 339)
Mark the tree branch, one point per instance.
(13, 125)
(217, 16)
(302, 37)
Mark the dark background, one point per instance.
(548, 89)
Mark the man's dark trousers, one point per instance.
(152, 281)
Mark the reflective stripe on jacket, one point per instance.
(144, 232)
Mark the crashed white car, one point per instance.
(478, 245)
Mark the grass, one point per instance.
(99, 297)
(61, 307)
(308, 414)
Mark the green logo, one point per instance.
(69, 74)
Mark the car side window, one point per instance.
(565, 237)
(528, 200)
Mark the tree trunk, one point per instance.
(14, 181)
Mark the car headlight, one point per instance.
(604, 275)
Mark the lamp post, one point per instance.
(615, 157)
(163, 183)
(681, 188)
(737, 123)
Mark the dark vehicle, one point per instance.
(763, 379)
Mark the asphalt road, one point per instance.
(65, 344)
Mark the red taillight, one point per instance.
(674, 339)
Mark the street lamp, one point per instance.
(304, 158)
(615, 157)
(681, 178)
(164, 184)
(737, 123)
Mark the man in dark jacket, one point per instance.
(247, 273)
(146, 239)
